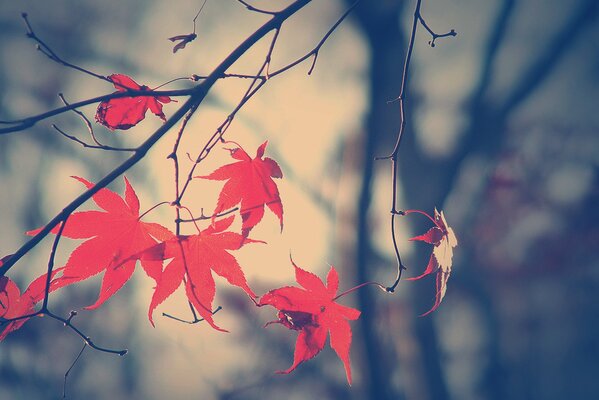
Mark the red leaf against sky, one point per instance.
(13, 304)
(125, 112)
(249, 182)
(194, 257)
(115, 236)
(313, 312)
(444, 240)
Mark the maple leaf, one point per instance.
(194, 257)
(442, 237)
(115, 236)
(125, 112)
(249, 182)
(312, 310)
(14, 305)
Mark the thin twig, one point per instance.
(360, 286)
(90, 129)
(197, 15)
(195, 319)
(68, 323)
(203, 217)
(316, 49)
(173, 155)
(66, 374)
(51, 264)
(395, 153)
(152, 209)
(270, 50)
(86, 120)
(433, 34)
(255, 9)
(48, 52)
(92, 146)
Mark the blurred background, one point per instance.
(501, 134)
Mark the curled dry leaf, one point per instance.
(312, 311)
(184, 39)
(125, 112)
(443, 239)
(190, 37)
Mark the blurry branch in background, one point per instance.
(549, 58)
(476, 138)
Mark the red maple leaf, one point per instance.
(115, 236)
(125, 112)
(193, 259)
(313, 312)
(14, 305)
(249, 182)
(444, 240)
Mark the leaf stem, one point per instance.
(360, 286)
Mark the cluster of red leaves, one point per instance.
(115, 239)
(443, 239)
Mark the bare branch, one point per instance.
(395, 153)
(48, 52)
(195, 319)
(434, 35)
(203, 217)
(255, 9)
(66, 374)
